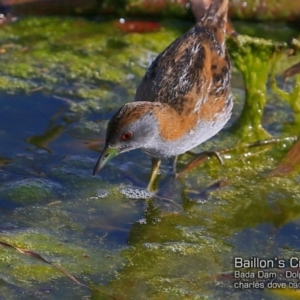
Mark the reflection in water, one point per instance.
(42, 141)
(52, 132)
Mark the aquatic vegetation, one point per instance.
(106, 230)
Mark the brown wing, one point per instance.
(171, 73)
(189, 63)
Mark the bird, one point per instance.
(183, 99)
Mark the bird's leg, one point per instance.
(174, 164)
(154, 171)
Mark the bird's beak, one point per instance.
(106, 155)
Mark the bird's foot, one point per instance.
(201, 157)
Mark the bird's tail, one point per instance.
(216, 15)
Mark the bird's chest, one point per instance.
(203, 130)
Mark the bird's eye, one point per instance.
(127, 135)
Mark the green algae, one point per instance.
(177, 241)
(166, 264)
(72, 61)
(177, 254)
(71, 257)
(29, 190)
(170, 253)
(253, 58)
(291, 97)
(256, 59)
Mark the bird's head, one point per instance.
(133, 126)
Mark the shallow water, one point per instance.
(106, 230)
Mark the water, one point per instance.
(107, 230)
